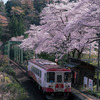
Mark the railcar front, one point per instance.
(57, 81)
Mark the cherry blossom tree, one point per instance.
(85, 23)
(52, 43)
(65, 27)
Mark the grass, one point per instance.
(91, 92)
(94, 93)
(11, 89)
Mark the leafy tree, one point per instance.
(65, 27)
(2, 6)
(10, 4)
(21, 27)
(39, 5)
(0, 31)
(13, 26)
(3, 23)
(16, 26)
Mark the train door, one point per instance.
(45, 79)
(59, 86)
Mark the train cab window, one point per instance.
(67, 77)
(59, 78)
(50, 77)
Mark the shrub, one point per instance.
(3, 61)
(17, 91)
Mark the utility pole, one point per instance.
(98, 65)
(90, 54)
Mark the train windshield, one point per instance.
(59, 78)
(50, 77)
(67, 77)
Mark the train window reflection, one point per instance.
(67, 77)
(51, 77)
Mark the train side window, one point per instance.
(36, 71)
(50, 77)
(32, 68)
(40, 73)
(67, 77)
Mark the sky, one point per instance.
(4, 1)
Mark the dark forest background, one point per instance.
(16, 16)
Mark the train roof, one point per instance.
(48, 65)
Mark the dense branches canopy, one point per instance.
(66, 27)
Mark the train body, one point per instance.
(50, 77)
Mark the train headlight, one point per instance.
(68, 86)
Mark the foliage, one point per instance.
(3, 22)
(93, 58)
(9, 70)
(44, 55)
(3, 61)
(95, 93)
(65, 27)
(17, 91)
(63, 61)
(16, 26)
(1, 30)
(39, 4)
(10, 4)
(5, 37)
(17, 11)
(51, 57)
(28, 54)
(4, 67)
(2, 7)
(8, 85)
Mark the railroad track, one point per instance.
(20, 67)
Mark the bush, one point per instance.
(3, 61)
(4, 67)
(97, 94)
(17, 91)
(9, 70)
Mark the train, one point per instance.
(50, 77)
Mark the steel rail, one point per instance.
(19, 66)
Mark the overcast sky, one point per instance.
(4, 1)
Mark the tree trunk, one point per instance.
(79, 55)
